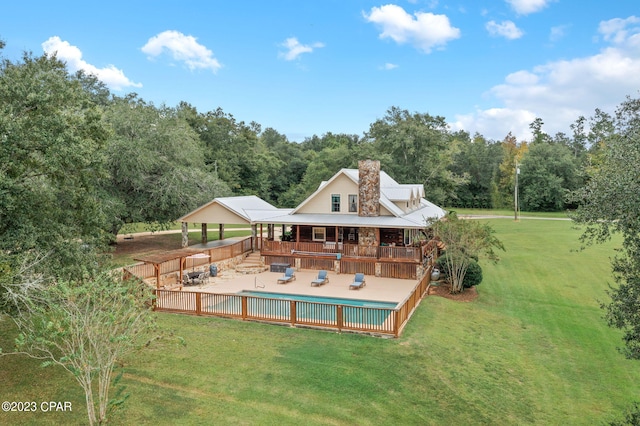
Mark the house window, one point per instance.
(319, 234)
(335, 202)
(353, 203)
(410, 235)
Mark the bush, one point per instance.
(473, 275)
(471, 278)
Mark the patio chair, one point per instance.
(358, 282)
(322, 279)
(185, 279)
(289, 275)
(199, 279)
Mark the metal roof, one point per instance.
(416, 219)
(249, 207)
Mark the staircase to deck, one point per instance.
(252, 264)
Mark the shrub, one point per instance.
(472, 277)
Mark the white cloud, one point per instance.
(496, 123)
(425, 31)
(621, 31)
(506, 29)
(183, 48)
(389, 66)
(113, 77)
(525, 7)
(295, 49)
(558, 32)
(560, 91)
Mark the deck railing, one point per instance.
(147, 270)
(274, 248)
(377, 321)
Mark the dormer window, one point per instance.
(335, 203)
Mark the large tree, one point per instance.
(86, 327)
(420, 149)
(479, 160)
(51, 162)
(156, 164)
(609, 203)
(548, 172)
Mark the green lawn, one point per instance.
(132, 228)
(492, 212)
(532, 349)
(170, 242)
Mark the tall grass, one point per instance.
(532, 349)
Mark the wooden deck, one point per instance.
(334, 316)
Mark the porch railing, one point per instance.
(274, 248)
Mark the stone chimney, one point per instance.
(369, 188)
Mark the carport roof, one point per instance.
(234, 210)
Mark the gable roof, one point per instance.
(252, 209)
(236, 210)
(390, 191)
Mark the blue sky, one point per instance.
(317, 66)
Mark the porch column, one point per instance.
(297, 237)
(203, 231)
(221, 231)
(254, 231)
(182, 261)
(260, 240)
(185, 234)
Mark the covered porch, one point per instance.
(388, 244)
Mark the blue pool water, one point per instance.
(334, 300)
(323, 309)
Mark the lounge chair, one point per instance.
(322, 279)
(358, 282)
(289, 275)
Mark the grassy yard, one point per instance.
(132, 228)
(532, 349)
(125, 251)
(509, 213)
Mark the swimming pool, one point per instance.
(312, 310)
(306, 298)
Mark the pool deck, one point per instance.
(376, 288)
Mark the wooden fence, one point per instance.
(376, 321)
(147, 270)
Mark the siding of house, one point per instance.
(342, 185)
(321, 203)
(216, 213)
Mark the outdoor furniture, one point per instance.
(199, 279)
(289, 275)
(186, 280)
(322, 279)
(279, 267)
(358, 282)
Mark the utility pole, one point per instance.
(515, 198)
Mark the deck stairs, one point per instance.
(252, 264)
